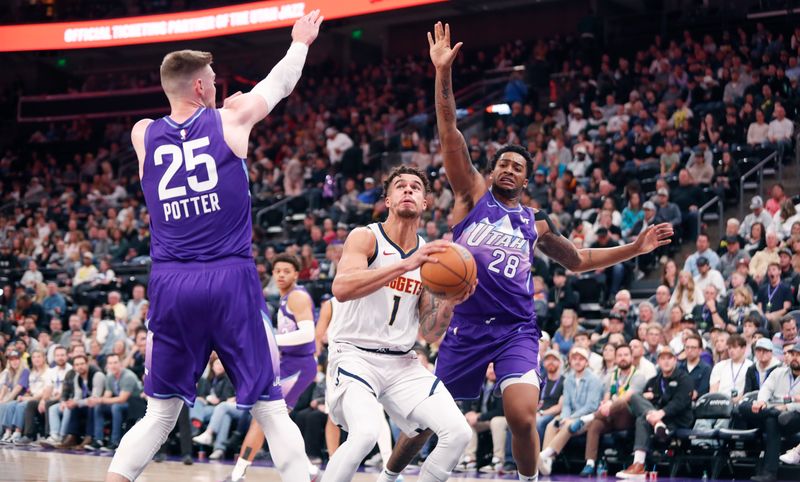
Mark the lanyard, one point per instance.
(737, 373)
(771, 294)
(625, 385)
(553, 387)
(663, 387)
(84, 388)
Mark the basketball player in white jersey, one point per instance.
(203, 284)
(371, 361)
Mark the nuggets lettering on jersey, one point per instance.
(196, 191)
(389, 317)
(502, 241)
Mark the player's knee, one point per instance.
(456, 432)
(365, 437)
(521, 423)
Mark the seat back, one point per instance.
(713, 406)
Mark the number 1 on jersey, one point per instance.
(395, 306)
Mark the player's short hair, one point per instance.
(517, 149)
(399, 170)
(178, 66)
(287, 258)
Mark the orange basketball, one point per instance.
(452, 275)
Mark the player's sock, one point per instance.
(587, 418)
(240, 468)
(590, 462)
(529, 478)
(362, 435)
(440, 414)
(388, 476)
(286, 444)
(639, 457)
(142, 441)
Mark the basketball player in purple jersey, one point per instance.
(498, 323)
(205, 292)
(295, 340)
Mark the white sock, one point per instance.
(639, 457)
(360, 408)
(388, 476)
(440, 413)
(141, 442)
(240, 468)
(529, 478)
(587, 418)
(285, 442)
(548, 452)
(590, 462)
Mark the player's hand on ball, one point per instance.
(306, 28)
(442, 54)
(653, 237)
(423, 254)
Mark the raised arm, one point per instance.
(561, 250)
(467, 183)
(354, 279)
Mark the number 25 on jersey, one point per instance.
(186, 155)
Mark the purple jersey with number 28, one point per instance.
(497, 324)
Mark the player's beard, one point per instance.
(510, 194)
(407, 213)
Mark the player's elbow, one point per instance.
(341, 291)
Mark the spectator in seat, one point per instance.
(551, 400)
(120, 385)
(700, 170)
(686, 294)
(88, 382)
(765, 363)
(582, 393)
(336, 145)
(14, 381)
(777, 411)
(211, 391)
(36, 391)
(775, 297)
(36, 410)
(703, 250)
(779, 133)
(708, 276)
(87, 272)
(664, 406)
(613, 413)
(758, 130)
(728, 376)
(698, 370)
(54, 304)
(758, 215)
(733, 253)
(613, 276)
(136, 303)
(223, 415)
(583, 340)
(32, 276)
(777, 195)
(641, 363)
(762, 259)
(740, 307)
(787, 336)
(565, 335)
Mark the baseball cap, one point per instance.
(663, 192)
(552, 353)
(785, 251)
(615, 315)
(666, 350)
(580, 149)
(702, 261)
(13, 354)
(793, 347)
(580, 351)
(756, 202)
(764, 344)
(649, 205)
(341, 226)
(687, 318)
(732, 239)
(541, 170)
(369, 180)
(559, 271)
(602, 231)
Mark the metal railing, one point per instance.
(716, 200)
(757, 169)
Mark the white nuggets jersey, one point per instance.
(387, 319)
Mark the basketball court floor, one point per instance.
(35, 464)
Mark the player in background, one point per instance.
(295, 339)
(382, 308)
(204, 289)
(498, 323)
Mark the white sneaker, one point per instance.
(51, 441)
(204, 438)
(216, 454)
(374, 461)
(15, 438)
(792, 456)
(545, 465)
(6, 437)
(495, 466)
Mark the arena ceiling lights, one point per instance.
(234, 19)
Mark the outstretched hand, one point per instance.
(306, 28)
(442, 54)
(653, 237)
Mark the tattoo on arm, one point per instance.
(435, 319)
(561, 250)
(445, 103)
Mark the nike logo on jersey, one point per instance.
(387, 253)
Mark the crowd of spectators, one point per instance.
(72, 329)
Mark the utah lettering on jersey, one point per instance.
(498, 234)
(405, 285)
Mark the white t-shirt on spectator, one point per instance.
(38, 381)
(56, 377)
(780, 129)
(757, 133)
(337, 146)
(713, 277)
(724, 374)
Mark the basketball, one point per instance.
(452, 275)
